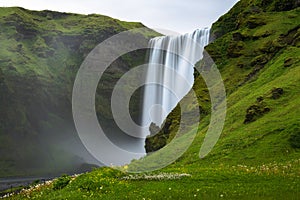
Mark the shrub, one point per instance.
(61, 182)
(294, 139)
(256, 111)
(276, 93)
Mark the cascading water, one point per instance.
(165, 65)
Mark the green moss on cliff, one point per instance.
(40, 54)
(253, 48)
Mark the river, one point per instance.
(7, 183)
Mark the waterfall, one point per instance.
(164, 67)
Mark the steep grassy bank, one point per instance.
(260, 69)
(39, 57)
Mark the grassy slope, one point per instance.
(250, 161)
(39, 56)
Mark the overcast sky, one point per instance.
(176, 15)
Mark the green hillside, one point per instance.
(256, 49)
(40, 54)
(257, 55)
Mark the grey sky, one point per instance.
(176, 15)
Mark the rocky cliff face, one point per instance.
(39, 58)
